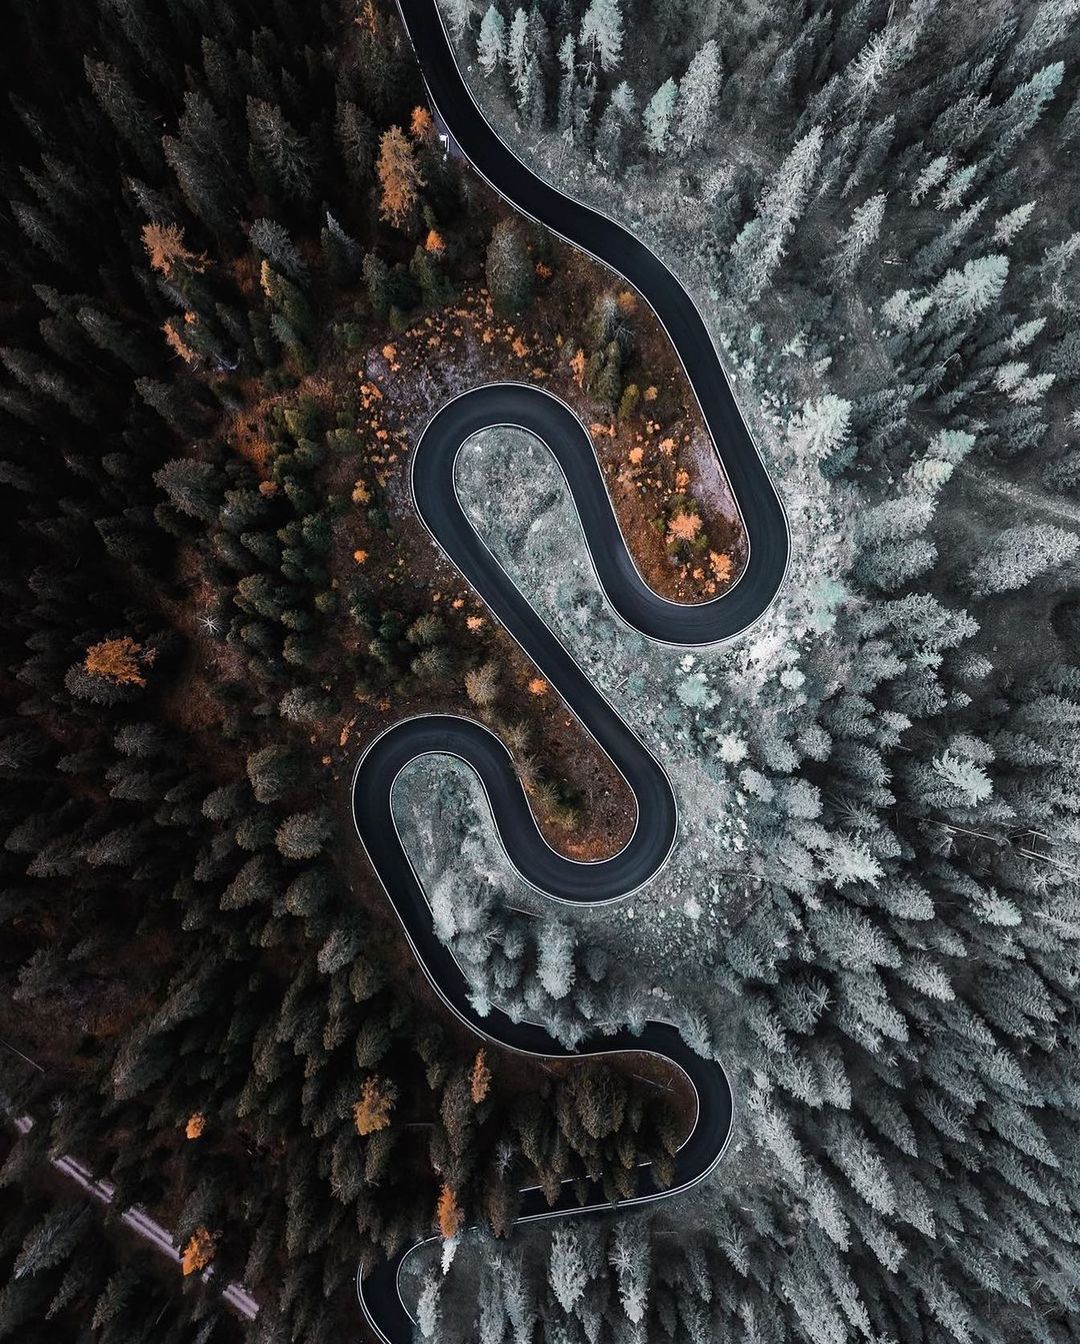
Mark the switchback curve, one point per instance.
(550, 420)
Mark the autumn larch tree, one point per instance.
(448, 1215)
(399, 177)
(372, 1112)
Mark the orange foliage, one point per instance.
(480, 1078)
(164, 245)
(577, 364)
(538, 686)
(198, 1252)
(683, 527)
(421, 127)
(636, 456)
(177, 344)
(399, 176)
(448, 1215)
(372, 1111)
(266, 283)
(120, 660)
(195, 1126)
(720, 564)
(360, 493)
(434, 242)
(359, 556)
(627, 302)
(651, 393)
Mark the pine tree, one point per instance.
(458, 17)
(428, 1309)
(129, 115)
(491, 45)
(341, 252)
(1020, 554)
(272, 770)
(566, 1269)
(761, 244)
(517, 56)
(699, 89)
(658, 115)
(281, 159)
(860, 236)
(304, 834)
(601, 34)
(613, 133)
(273, 241)
(355, 135)
(555, 967)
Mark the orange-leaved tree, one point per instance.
(198, 1252)
(120, 660)
(372, 1111)
(421, 127)
(480, 1078)
(399, 176)
(720, 564)
(683, 527)
(164, 245)
(448, 1215)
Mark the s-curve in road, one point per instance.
(435, 496)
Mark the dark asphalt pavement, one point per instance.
(707, 623)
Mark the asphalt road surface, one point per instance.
(725, 617)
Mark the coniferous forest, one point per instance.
(213, 212)
(239, 269)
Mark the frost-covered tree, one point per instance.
(930, 177)
(428, 1307)
(555, 967)
(458, 15)
(517, 56)
(658, 115)
(961, 294)
(860, 236)
(699, 89)
(760, 246)
(567, 85)
(566, 1270)
(1020, 554)
(615, 126)
(491, 44)
(964, 775)
(601, 33)
(1011, 223)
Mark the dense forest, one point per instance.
(227, 227)
(876, 207)
(239, 270)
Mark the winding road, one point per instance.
(435, 496)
